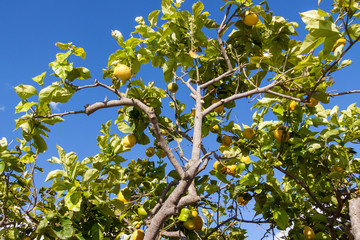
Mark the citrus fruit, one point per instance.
(189, 224)
(245, 159)
(226, 140)
(281, 135)
(309, 233)
(26, 238)
(129, 141)
(216, 165)
(142, 212)
(231, 170)
(250, 18)
(339, 42)
(312, 103)
(215, 128)
(122, 71)
(219, 109)
(138, 234)
(248, 133)
(194, 213)
(150, 151)
(122, 198)
(293, 105)
(173, 87)
(198, 222)
(241, 200)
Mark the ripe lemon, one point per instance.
(122, 71)
(339, 42)
(241, 200)
(250, 18)
(219, 109)
(231, 170)
(226, 140)
(198, 222)
(293, 105)
(246, 159)
(122, 198)
(312, 103)
(189, 224)
(194, 213)
(129, 141)
(248, 133)
(216, 165)
(215, 128)
(309, 233)
(26, 238)
(173, 87)
(150, 151)
(138, 234)
(281, 135)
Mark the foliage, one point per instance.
(305, 181)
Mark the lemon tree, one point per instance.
(192, 153)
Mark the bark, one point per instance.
(354, 212)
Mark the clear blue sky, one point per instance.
(29, 30)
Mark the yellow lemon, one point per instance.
(309, 233)
(312, 103)
(250, 18)
(231, 170)
(173, 87)
(248, 133)
(122, 71)
(241, 200)
(246, 159)
(339, 42)
(215, 128)
(122, 198)
(150, 151)
(293, 105)
(226, 140)
(138, 234)
(281, 135)
(129, 141)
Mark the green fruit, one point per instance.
(142, 211)
(190, 224)
(173, 87)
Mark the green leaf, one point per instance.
(79, 52)
(153, 18)
(24, 106)
(310, 42)
(168, 68)
(25, 91)
(53, 120)
(354, 31)
(164, 34)
(45, 94)
(63, 46)
(90, 174)
(2, 167)
(124, 127)
(80, 73)
(119, 38)
(197, 8)
(62, 94)
(73, 200)
(40, 78)
(281, 218)
(55, 173)
(40, 143)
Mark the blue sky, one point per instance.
(29, 30)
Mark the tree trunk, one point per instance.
(354, 212)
